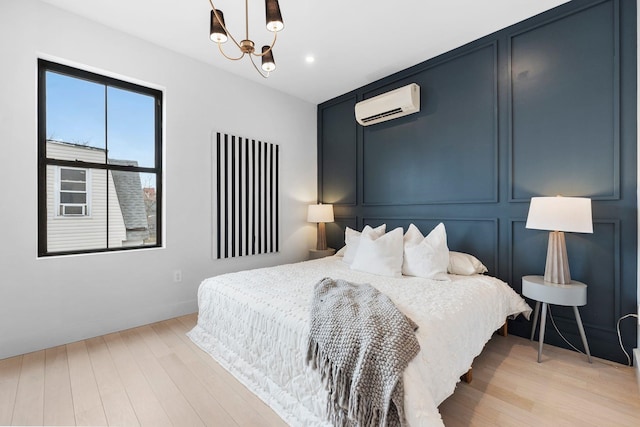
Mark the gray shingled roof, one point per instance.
(130, 197)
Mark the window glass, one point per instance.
(131, 127)
(149, 189)
(75, 112)
(132, 189)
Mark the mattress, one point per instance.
(255, 324)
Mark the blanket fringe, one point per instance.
(340, 408)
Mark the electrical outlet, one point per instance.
(177, 276)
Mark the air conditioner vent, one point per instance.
(381, 115)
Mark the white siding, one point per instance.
(117, 230)
(86, 232)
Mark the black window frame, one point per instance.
(43, 161)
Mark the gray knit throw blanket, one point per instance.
(360, 343)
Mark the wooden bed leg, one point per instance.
(504, 329)
(468, 376)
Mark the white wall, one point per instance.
(47, 302)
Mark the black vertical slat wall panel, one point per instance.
(247, 196)
(277, 207)
(218, 192)
(232, 177)
(258, 233)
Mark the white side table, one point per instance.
(573, 295)
(317, 253)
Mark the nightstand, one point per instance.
(570, 295)
(317, 253)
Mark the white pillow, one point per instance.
(413, 236)
(352, 239)
(380, 255)
(426, 257)
(465, 264)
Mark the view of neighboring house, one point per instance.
(83, 203)
(150, 207)
(131, 199)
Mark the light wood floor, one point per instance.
(153, 375)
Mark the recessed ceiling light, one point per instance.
(309, 59)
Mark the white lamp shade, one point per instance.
(570, 214)
(320, 213)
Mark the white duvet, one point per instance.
(255, 324)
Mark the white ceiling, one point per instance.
(354, 42)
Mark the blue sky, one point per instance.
(76, 114)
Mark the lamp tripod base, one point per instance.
(557, 268)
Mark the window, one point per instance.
(99, 162)
(73, 197)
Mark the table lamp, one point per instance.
(321, 214)
(559, 215)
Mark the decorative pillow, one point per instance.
(413, 236)
(465, 264)
(379, 255)
(342, 251)
(352, 240)
(426, 257)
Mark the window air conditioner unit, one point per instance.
(390, 105)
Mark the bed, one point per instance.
(255, 324)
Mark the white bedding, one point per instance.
(255, 324)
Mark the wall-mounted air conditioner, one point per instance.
(390, 105)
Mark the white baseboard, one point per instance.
(636, 363)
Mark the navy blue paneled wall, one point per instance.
(544, 107)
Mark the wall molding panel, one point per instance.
(544, 107)
(337, 180)
(462, 88)
(552, 111)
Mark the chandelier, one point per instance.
(219, 33)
